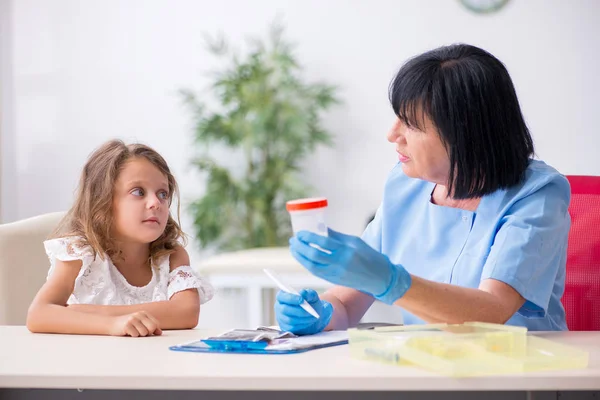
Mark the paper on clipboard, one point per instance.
(308, 341)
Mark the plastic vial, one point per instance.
(308, 215)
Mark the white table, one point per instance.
(63, 361)
(244, 270)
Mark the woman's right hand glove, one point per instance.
(293, 318)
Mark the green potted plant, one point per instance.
(270, 119)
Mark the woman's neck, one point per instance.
(441, 198)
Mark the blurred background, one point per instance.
(74, 74)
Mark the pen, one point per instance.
(307, 307)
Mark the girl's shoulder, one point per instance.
(176, 274)
(178, 258)
(168, 262)
(68, 248)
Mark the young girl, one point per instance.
(117, 265)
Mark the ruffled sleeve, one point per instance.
(67, 249)
(183, 278)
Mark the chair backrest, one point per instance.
(23, 264)
(582, 287)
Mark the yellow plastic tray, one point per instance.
(469, 349)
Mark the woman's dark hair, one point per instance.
(468, 95)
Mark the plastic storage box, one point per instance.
(468, 349)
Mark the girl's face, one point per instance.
(140, 202)
(421, 153)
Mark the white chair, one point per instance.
(244, 270)
(23, 264)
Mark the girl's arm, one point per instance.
(181, 311)
(48, 312)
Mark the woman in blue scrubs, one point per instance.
(470, 228)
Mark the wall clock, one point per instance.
(484, 6)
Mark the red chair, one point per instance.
(582, 287)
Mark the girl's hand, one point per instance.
(137, 324)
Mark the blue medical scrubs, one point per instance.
(517, 236)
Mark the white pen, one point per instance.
(307, 307)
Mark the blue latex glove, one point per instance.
(350, 262)
(293, 318)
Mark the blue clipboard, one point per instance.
(295, 346)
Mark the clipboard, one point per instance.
(286, 345)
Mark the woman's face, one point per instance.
(421, 153)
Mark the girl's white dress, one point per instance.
(100, 282)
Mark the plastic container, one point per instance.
(308, 215)
(461, 350)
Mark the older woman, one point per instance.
(470, 228)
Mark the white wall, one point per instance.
(84, 72)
